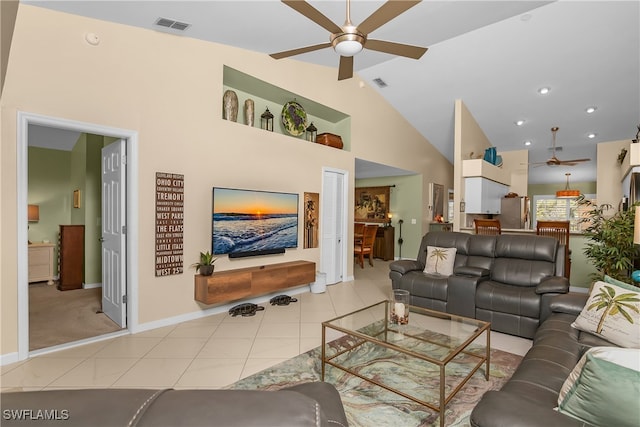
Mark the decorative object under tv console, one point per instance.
(233, 285)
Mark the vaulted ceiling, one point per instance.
(494, 55)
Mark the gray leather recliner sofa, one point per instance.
(528, 399)
(507, 280)
(311, 404)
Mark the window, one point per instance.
(549, 208)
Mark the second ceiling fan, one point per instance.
(349, 39)
(554, 161)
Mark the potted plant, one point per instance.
(610, 246)
(205, 265)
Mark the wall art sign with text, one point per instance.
(169, 223)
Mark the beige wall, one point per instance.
(8, 11)
(468, 138)
(169, 89)
(610, 173)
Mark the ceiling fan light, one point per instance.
(348, 48)
(348, 44)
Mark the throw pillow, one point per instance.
(440, 260)
(603, 388)
(610, 280)
(612, 313)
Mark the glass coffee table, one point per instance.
(428, 360)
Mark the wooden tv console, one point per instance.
(232, 285)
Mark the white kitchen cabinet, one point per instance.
(482, 195)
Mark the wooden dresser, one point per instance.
(71, 257)
(41, 262)
(384, 245)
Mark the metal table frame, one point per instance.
(363, 338)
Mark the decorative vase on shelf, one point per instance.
(230, 106)
(248, 112)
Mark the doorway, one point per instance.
(129, 261)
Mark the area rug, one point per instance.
(369, 405)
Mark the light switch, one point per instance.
(413, 221)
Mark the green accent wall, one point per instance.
(584, 187)
(406, 203)
(49, 182)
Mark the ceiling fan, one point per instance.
(554, 161)
(349, 39)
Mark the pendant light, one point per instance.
(567, 193)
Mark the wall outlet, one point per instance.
(413, 221)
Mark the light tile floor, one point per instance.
(211, 352)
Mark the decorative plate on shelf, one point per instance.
(294, 118)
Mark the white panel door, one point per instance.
(113, 232)
(332, 226)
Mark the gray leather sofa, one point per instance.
(507, 280)
(528, 398)
(311, 404)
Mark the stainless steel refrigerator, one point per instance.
(514, 212)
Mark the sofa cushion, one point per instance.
(612, 313)
(426, 285)
(536, 248)
(504, 298)
(521, 272)
(481, 252)
(603, 388)
(440, 260)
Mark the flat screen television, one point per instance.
(252, 222)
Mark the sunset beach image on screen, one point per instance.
(248, 222)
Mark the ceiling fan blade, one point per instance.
(400, 49)
(574, 161)
(384, 14)
(314, 14)
(299, 50)
(346, 68)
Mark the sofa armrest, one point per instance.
(501, 409)
(553, 284)
(404, 266)
(570, 303)
(461, 294)
(465, 270)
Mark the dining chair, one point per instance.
(365, 246)
(358, 231)
(488, 227)
(559, 230)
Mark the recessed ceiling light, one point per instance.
(519, 122)
(590, 110)
(527, 143)
(544, 90)
(592, 135)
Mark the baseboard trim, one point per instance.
(9, 358)
(169, 321)
(578, 289)
(91, 285)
